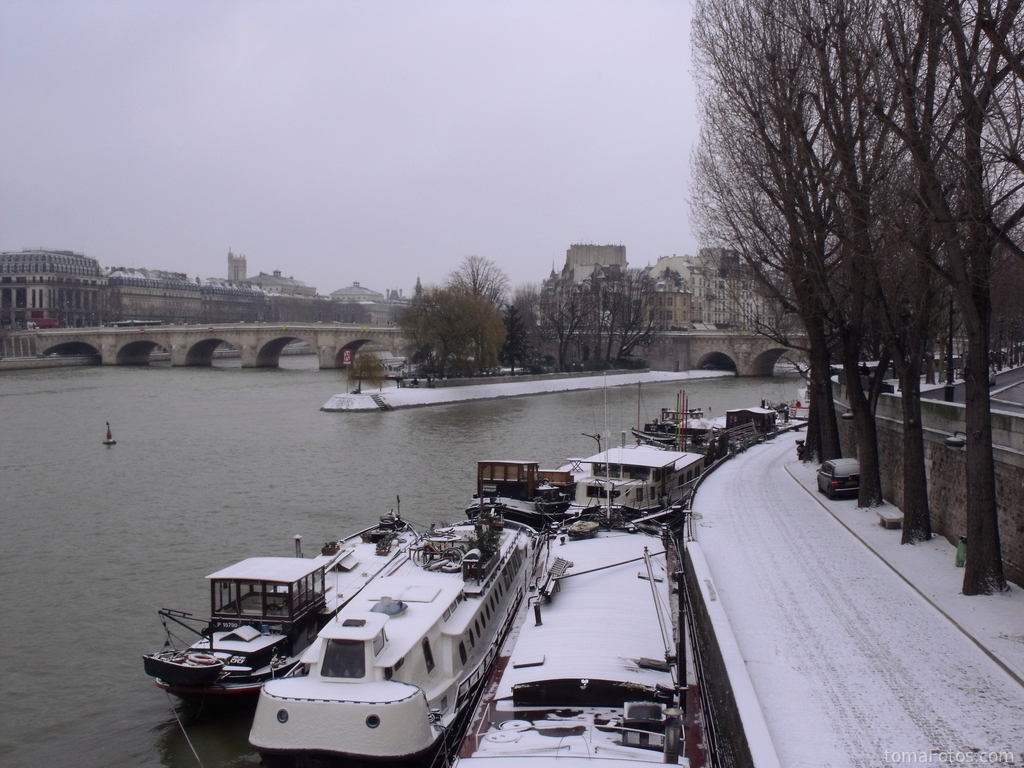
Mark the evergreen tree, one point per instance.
(517, 339)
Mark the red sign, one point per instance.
(346, 356)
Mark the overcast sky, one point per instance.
(339, 141)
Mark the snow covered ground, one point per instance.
(408, 397)
(862, 652)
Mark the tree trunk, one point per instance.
(917, 523)
(983, 573)
(864, 422)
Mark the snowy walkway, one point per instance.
(852, 665)
(408, 397)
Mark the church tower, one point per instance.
(236, 268)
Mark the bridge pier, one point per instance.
(327, 356)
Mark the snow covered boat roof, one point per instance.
(588, 679)
(643, 456)
(756, 409)
(282, 569)
(610, 613)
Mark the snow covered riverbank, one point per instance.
(410, 397)
(861, 651)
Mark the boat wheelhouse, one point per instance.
(265, 611)
(390, 675)
(522, 491)
(762, 419)
(640, 478)
(591, 671)
(675, 429)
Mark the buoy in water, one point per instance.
(110, 437)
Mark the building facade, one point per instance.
(277, 283)
(47, 288)
(586, 260)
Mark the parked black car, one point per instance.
(839, 477)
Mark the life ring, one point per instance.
(203, 659)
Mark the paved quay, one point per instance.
(861, 652)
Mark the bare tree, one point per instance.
(481, 277)
(453, 331)
(563, 315)
(958, 68)
(759, 177)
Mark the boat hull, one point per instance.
(394, 726)
(318, 759)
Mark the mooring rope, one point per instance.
(183, 732)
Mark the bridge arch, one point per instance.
(717, 361)
(268, 354)
(353, 346)
(764, 363)
(69, 348)
(201, 353)
(137, 352)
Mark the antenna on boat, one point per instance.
(298, 545)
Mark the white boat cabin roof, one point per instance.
(286, 570)
(756, 409)
(643, 456)
(599, 623)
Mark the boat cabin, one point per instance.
(518, 480)
(350, 648)
(763, 419)
(277, 591)
(640, 477)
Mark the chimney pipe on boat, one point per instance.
(673, 734)
(298, 546)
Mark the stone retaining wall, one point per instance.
(947, 469)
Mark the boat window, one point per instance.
(428, 655)
(344, 658)
(472, 643)
(462, 651)
(477, 625)
(224, 594)
(250, 595)
(277, 599)
(639, 494)
(635, 473)
(378, 643)
(304, 587)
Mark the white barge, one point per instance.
(389, 677)
(591, 671)
(640, 478)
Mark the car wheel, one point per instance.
(830, 492)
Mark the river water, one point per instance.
(213, 465)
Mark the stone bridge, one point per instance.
(746, 353)
(259, 344)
